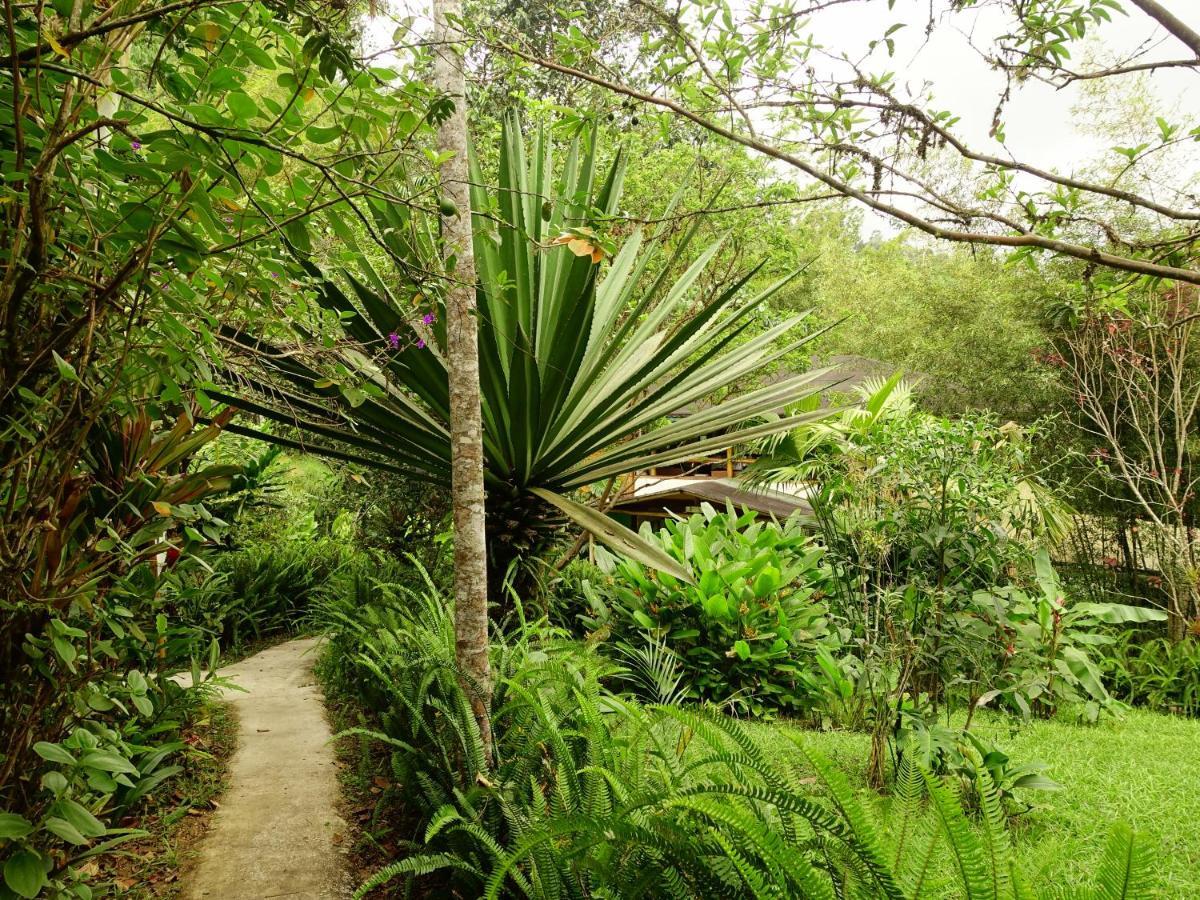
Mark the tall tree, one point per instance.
(462, 358)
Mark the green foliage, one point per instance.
(151, 155)
(119, 750)
(964, 322)
(743, 631)
(80, 634)
(963, 754)
(592, 796)
(265, 589)
(932, 528)
(940, 503)
(1047, 641)
(1158, 673)
(580, 363)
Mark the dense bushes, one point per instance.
(740, 629)
(86, 726)
(920, 585)
(267, 588)
(593, 795)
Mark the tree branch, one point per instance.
(1171, 23)
(1053, 245)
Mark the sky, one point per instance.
(1042, 125)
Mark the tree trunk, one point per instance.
(462, 359)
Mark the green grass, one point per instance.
(1143, 769)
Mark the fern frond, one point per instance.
(969, 857)
(412, 865)
(1124, 872)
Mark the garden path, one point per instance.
(276, 833)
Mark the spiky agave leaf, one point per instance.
(581, 363)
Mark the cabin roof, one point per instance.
(653, 494)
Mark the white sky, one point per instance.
(1040, 125)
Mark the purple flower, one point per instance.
(428, 318)
(394, 340)
(420, 345)
(274, 274)
(136, 145)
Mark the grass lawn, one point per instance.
(1143, 769)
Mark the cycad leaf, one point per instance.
(615, 535)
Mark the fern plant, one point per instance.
(595, 796)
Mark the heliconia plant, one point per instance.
(585, 353)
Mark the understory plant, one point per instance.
(745, 631)
(85, 721)
(1046, 643)
(591, 795)
(936, 534)
(1154, 672)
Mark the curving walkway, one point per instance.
(276, 832)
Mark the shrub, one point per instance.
(739, 630)
(1158, 673)
(261, 590)
(1044, 643)
(83, 724)
(592, 796)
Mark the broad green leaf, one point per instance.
(13, 826)
(80, 817)
(1120, 613)
(241, 105)
(25, 873)
(65, 830)
(107, 761)
(53, 753)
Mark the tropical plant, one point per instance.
(798, 454)
(963, 754)
(593, 796)
(583, 364)
(741, 629)
(1044, 642)
(130, 503)
(1157, 673)
(653, 672)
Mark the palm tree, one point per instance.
(582, 364)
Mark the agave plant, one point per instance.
(585, 354)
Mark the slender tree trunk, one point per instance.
(462, 358)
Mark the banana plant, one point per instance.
(586, 352)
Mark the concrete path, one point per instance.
(276, 831)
